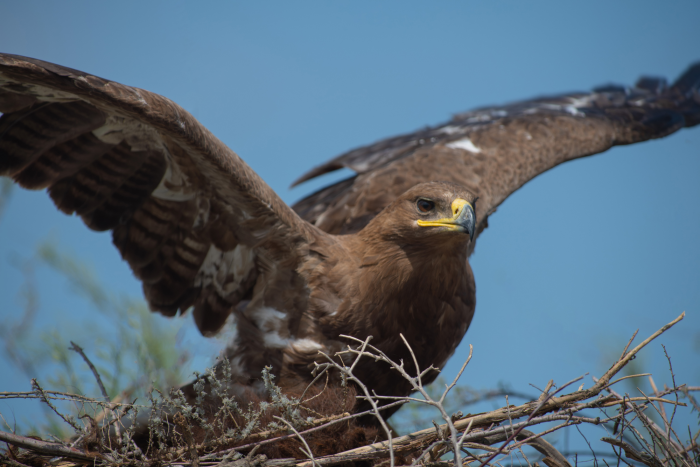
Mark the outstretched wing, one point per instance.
(194, 222)
(494, 151)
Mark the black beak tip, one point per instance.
(471, 223)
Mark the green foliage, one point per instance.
(133, 349)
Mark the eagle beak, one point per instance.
(463, 219)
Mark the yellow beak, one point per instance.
(463, 218)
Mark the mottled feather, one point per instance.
(201, 230)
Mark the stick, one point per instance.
(50, 449)
(76, 348)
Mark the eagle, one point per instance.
(383, 253)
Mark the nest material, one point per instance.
(317, 428)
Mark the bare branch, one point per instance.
(76, 348)
(51, 449)
(458, 434)
(40, 391)
(306, 451)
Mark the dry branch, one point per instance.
(427, 436)
(50, 449)
(508, 427)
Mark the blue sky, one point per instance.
(571, 264)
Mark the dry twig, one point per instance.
(508, 426)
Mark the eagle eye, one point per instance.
(424, 205)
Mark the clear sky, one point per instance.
(571, 264)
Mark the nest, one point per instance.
(318, 426)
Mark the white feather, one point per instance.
(465, 143)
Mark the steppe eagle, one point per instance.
(382, 253)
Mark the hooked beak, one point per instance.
(463, 219)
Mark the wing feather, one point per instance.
(494, 151)
(189, 216)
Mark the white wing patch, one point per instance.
(225, 270)
(273, 340)
(138, 136)
(464, 143)
(268, 318)
(583, 101)
(174, 186)
(40, 92)
(306, 345)
(451, 129)
(572, 108)
(271, 322)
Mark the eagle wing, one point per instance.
(494, 151)
(194, 222)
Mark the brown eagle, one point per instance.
(382, 253)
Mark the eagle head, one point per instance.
(429, 212)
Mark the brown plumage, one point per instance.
(362, 257)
